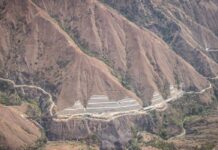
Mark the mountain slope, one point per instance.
(203, 12)
(141, 59)
(173, 21)
(36, 50)
(16, 132)
(75, 49)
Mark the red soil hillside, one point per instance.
(143, 60)
(34, 48)
(186, 26)
(16, 132)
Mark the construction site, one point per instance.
(101, 105)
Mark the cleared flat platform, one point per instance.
(99, 104)
(157, 98)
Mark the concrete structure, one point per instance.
(77, 108)
(173, 90)
(211, 49)
(100, 104)
(157, 98)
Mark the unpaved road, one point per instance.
(104, 115)
(182, 134)
(33, 87)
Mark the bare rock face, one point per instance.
(108, 133)
(16, 132)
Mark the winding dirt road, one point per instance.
(182, 134)
(103, 116)
(52, 104)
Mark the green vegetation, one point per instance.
(168, 30)
(206, 146)
(216, 33)
(133, 145)
(163, 133)
(13, 99)
(184, 111)
(10, 99)
(62, 63)
(33, 110)
(165, 121)
(176, 77)
(92, 139)
(159, 15)
(2, 141)
(39, 144)
(125, 81)
(190, 105)
(137, 142)
(83, 45)
(180, 112)
(160, 144)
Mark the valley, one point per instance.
(108, 74)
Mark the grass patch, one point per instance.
(161, 145)
(216, 33)
(10, 99)
(136, 141)
(207, 146)
(3, 146)
(39, 144)
(33, 110)
(133, 145)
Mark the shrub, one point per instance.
(206, 146)
(10, 100)
(162, 145)
(133, 145)
(33, 110)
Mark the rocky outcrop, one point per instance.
(109, 133)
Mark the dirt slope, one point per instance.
(16, 132)
(141, 60)
(36, 50)
(188, 27)
(203, 12)
(78, 48)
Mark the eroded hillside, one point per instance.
(189, 27)
(16, 132)
(105, 55)
(36, 50)
(123, 46)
